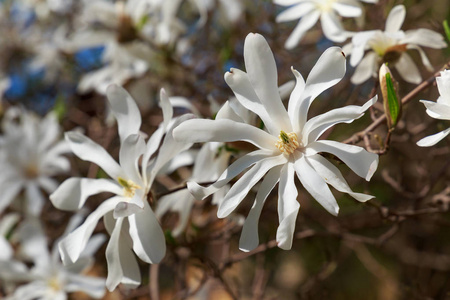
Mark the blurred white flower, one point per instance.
(132, 223)
(289, 146)
(31, 152)
(310, 11)
(230, 11)
(439, 109)
(48, 278)
(390, 46)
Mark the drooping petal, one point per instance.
(331, 174)
(73, 244)
(262, 73)
(395, 19)
(408, 69)
(125, 111)
(249, 239)
(332, 27)
(328, 71)
(314, 128)
(301, 28)
(315, 185)
(149, 242)
(288, 207)
(367, 68)
(88, 150)
(437, 110)
(426, 62)
(241, 188)
(239, 82)
(232, 171)
(443, 85)
(122, 265)
(72, 193)
(202, 130)
(363, 163)
(295, 12)
(433, 139)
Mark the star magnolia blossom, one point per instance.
(289, 146)
(310, 11)
(128, 216)
(390, 46)
(48, 278)
(439, 109)
(31, 152)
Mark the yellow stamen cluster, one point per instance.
(54, 283)
(129, 187)
(287, 142)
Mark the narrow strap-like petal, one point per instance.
(295, 12)
(433, 139)
(315, 185)
(288, 207)
(262, 73)
(395, 18)
(367, 68)
(125, 111)
(407, 68)
(437, 110)
(249, 239)
(363, 163)
(305, 23)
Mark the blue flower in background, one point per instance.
(90, 58)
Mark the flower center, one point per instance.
(129, 187)
(54, 283)
(31, 171)
(287, 142)
(325, 5)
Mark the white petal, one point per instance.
(72, 245)
(301, 28)
(131, 149)
(328, 71)
(232, 171)
(170, 147)
(288, 207)
(92, 286)
(241, 188)
(149, 242)
(166, 107)
(152, 145)
(367, 68)
(122, 265)
(9, 191)
(239, 82)
(359, 42)
(249, 239)
(125, 111)
(424, 37)
(363, 163)
(262, 73)
(125, 209)
(49, 185)
(437, 110)
(181, 202)
(202, 130)
(395, 19)
(443, 84)
(408, 69)
(72, 193)
(227, 111)
(295, 12)
(88, 150)
(7, 251)
(296, 94)
(348, 10)
(315, 185)
(35, 199)
(287, 2)
(314, 128)
(332, 27)
(426, 62)
(433, 139)
(331, 174)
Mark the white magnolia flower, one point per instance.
(390, 46)
(128, 216)
(31, 152)
(48, 278)
(310, 11)
(288, 146)
(439, 109)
